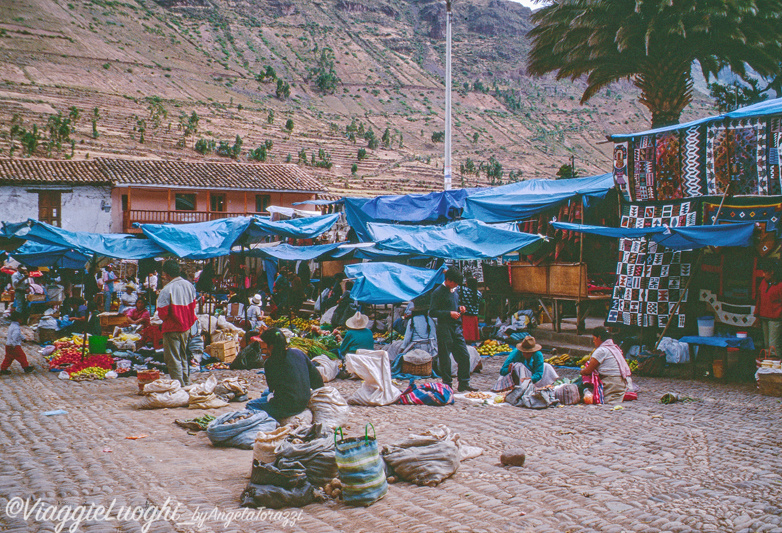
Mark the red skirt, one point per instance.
(470, 326)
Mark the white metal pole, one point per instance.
(447, 168)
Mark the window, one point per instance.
(124, 202)
(185, 202)
(262, 202)
(217, 202)
(49, 207)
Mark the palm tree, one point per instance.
(654, 43)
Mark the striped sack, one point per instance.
(361, 469)
(427, 394)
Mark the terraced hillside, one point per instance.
(129, 78)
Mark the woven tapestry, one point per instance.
(693, 163)
(668, 167)
(765, 212)
(650, 278)
(620, 169)
(643, 167)
(737, 154)
(774, 175)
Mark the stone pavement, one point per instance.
(709, 465)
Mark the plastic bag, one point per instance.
(328, 316)
(265, 444)
(374, 368)
(164, 400)
(675, 352)
(268, 474)
(272, 497)
(417, 357)
(329, 408)
(202, 395)
(315, 453)
(429, 458)
(360, 469)
(249, 358)
(327, 368)
(238, 429)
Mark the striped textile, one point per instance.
(361, 470)
(427, 394)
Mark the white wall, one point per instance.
(81, 207)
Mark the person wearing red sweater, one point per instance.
(176, 308)
(768, 308)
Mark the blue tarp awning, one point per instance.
(34, 254)
(119, 246)
(289, 252)
(215, 238)
(391, 283)
(412, 208)
(295, 228)
(521, 200)
(373, 253)
(462, 240)
(683, 238)
(769, 107)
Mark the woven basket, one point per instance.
(770, 384)
(417, 370)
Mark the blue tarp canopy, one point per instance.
(462, 240)
(413, 208)
(288, 252)
(200, 240)
(521, 200)
(215, 238)
(769, 107)
(34, 254)
(391, 283)
(114, 245)
(296, 228)
(683, 238)
(372, 252)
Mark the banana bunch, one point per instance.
(559, 359)
(584, 359)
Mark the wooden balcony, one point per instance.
(172, 217)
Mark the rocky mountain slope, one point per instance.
(132, 77)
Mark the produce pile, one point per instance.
(298, 323)
(568, 360)
(492, 347)
(67, 357)
(312, 347)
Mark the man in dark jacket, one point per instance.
(445, 309)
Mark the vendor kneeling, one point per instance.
(526, 362)
(290, 375)
(608, 366)
(358, 336)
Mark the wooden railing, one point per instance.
(172, 217)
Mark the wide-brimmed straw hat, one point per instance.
(256, 299)
(528, 345)
(357, 321)
(131, 286)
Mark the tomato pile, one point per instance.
(68, 357)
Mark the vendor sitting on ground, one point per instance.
(290, 375)
(357, 336)
(609, 364)
(138, 315)
(128, 298)
(255, 314)
(526, 362)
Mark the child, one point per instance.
(13, 346)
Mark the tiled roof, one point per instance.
(47, 171)
(208, 175)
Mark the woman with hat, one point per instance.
(290, 376)
(526, 362)
(128, 299)
(255, 313)
(357, 336)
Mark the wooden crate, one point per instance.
(7, 296)
(225, 351)
(568, 280)
(36, 297)
(532, 279)
(770, 384)
(112, 320)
